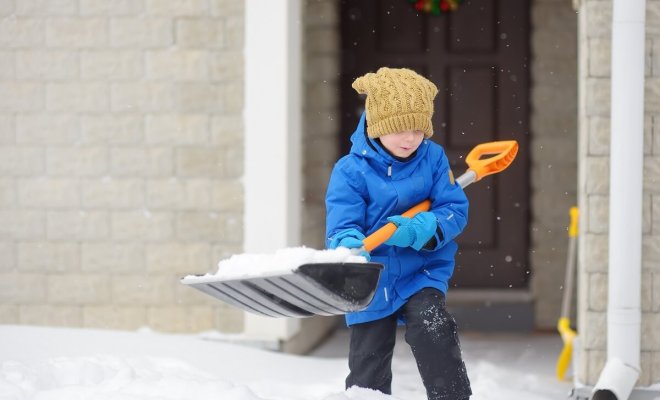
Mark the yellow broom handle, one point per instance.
(570, 262)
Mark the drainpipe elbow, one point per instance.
(616, 381)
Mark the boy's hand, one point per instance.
(349, 238)
(413, 232)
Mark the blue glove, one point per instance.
(413, 232)
(349, 238)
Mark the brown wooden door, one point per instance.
(478, 56)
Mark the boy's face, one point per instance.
(402, 144)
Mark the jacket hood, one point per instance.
(365, 147)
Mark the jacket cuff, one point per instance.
(437, 238)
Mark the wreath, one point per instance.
(436, 7)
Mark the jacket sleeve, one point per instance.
(448, 203)
(345, 204)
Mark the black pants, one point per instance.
(432, 335)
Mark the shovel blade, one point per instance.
(310, 289)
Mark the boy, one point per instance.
(391, 167)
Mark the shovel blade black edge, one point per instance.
(311, 289)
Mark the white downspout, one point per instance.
(622, 369)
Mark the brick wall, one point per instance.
(120, 160)
(594, 42)
(320, 112)
(553, 176)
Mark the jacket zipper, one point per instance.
(389, 170)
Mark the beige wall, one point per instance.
(594, 42)
(321, 102)
(120, 159)
(553, 154)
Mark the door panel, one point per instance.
(475, 29)
(478, 57)
(471, 86)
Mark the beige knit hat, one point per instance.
(398, 99)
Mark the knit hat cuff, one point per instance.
(400, 123)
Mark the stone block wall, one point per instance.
(321, 73)
(553, 177)
(595, 51)
(120, 160)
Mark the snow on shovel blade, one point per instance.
(310, 289)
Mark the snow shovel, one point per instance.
(334, 288)
(564, 323)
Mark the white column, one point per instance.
(272, 140)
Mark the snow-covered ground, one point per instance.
(76, 364)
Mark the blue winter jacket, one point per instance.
(367, 186)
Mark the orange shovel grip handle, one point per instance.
(502, 155)
(385, 232)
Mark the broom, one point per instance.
(564, 323)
